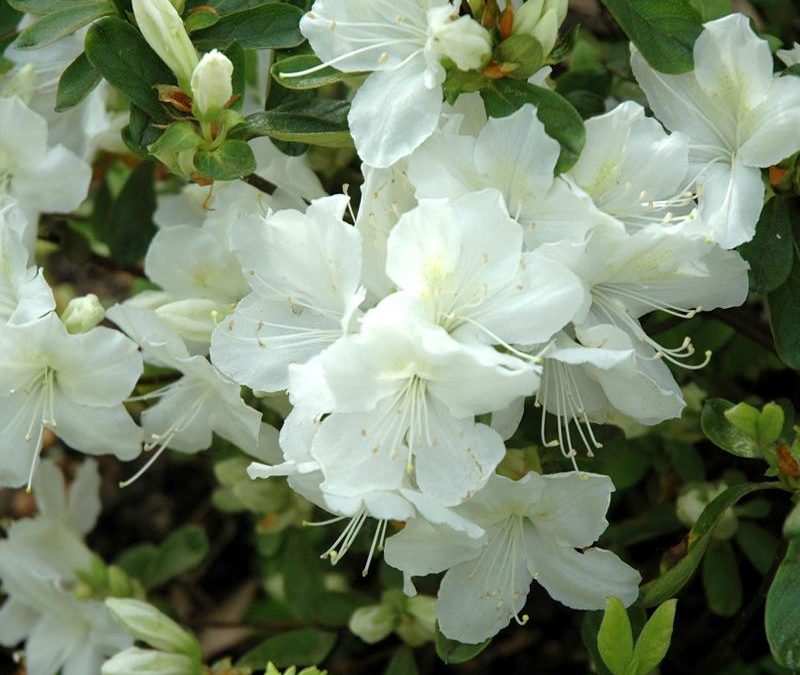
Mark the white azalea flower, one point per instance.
(790, 57)
(514, 155)
(72, 384)
(24, 293)
(475, 277)
(738, 116)
(39, 178)
(404, 397)
(401, 44)
(304, 271)
(632, 169)
(39, 561)
(538, 528)
(200, 403)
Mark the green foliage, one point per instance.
(231, 160)
(76, 83)
(303, 647)
(784, 314)
(120, 53)
(452, 651)
(316, 121)
(282, 69)
(154, 566)
(663, 30)
(59, 20)
(769, 253)
(561, 121)
(615, 637)
(721, 580)
(782, 618)
(402, 663)
(266, 26)
(741, 429)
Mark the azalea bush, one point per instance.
(399, 336)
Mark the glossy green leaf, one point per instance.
(654, 640)
(722, 433)
(230, 161)
(302, 647)
(663, 30)
(303, 62)
(784, 314)
(673, 580)
(452, 651)
(721, 581)
(272, 26)
(561, 121)
(782, 616)
(63, 22)
(712, 9)
(121, 54)
(770, 253)
(76, 83)
(304, 594)
(316, 122)
(758, 545)
(615, 637)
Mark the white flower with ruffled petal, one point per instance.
(738, 116)
(73, 385)
(538, 528)
(401, 43)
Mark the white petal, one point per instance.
(50, 644)
(23, 133)
(58, 183)
(393, 113)
(16, 622)
(83, 505)
(580, 580)
(774, 123)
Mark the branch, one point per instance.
(747, 327)
(259, 183)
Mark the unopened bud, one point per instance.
(144, 622)
(693, 502)
(137, 661)
(212, 83)
(164, 31)
(459, 38)
(82, 314)
(419, 622)
(192, 319)
(541, 19)
(373, 623)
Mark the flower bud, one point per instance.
(82, 314)
(212, 83)
(137, 661)
(419, 623)
(373, 623)
(693, 502)
(144, 622)
(164, 31)
(541, 19)
(193, 319)
(458, 38)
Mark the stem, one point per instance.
(259, 183)
(746, 326)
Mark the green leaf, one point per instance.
(791, 526)
(317, 122)
(76, 83)
(782, 616)
(272, 26)
(654, 640)
(712, 9)
(47, 6)
(130, 226)
(673, 580)
(154, 565)
(770, 253)
(452, 651)
(784, 314)
(59, 24)
(525, 51)
(615, 637)
(304, 593)
(177, 138)
(9, 19)
(561, 121)
(236, 54)
(140, 132)
(121, 54)
(663, 30)
(230, 161)
(303, 647)
(402, 663)
(758, 545)
(719, 430)
(769, 425)
(303, 62)
(200, 18)
(721, 580)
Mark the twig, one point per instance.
(259, 183)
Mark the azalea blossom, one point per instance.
(39, 564)
(790, 57)
(27, 163)
(194, 407)
(304, 271)
(514, 155)
(401, 44)
(73, 385)
(538, 528)
(738, 117)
